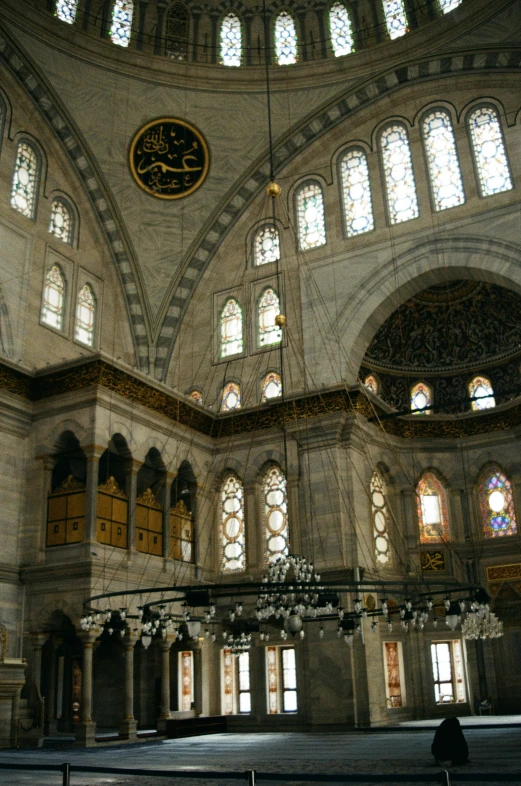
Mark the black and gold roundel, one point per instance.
(169, 158)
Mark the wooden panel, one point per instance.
(155, 544)
(76, 505)
(56, 533)
(104, 505)
(75, 531)
(142, 516)
(155, 520)
(103, 531)
(175, 550)
(119, 510)
(142, 540)
(57, 509)
(119, 535)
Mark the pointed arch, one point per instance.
(176, 38)
(232, 531)
(400, 185)
(481, 391)
(271, 386)
(309, 200)
(26, 179)
(85, 316)
(231, 335)
(231, 40)
(489, 151)
(53, 299)
(442, 160)
(61, 223)
(266, 245)
(285, 32)
(231, 397)
(275, 497)
(356, 192)
(421, 399)
(433, 516)
(496, 501)
(268, 308)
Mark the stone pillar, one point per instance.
(248, 18)
(86, 728)
(131, 492)
(301, 16)
(165, 683)
(320, 11)
(40, 517)
(198, 679)
(93, 453)
(142, 10)
(377, 20)
(411, 14)
(196, 18)
(409, 518)
(158, 43)
(166, 501)
(254, 535)
(359, 38)
(214, 17)
(51, 721)
(87, 11)
(37, 642)
(128, 725)
(432, 9)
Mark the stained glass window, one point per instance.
(121, 28)
(268, 308)
(442, 160)
(497, 504)
(233, 556)
(421, 399)
(266, 245)
(276, 514)
(395, 18)
(66, 10)
(481, 391)
(489, 151)
(53, 298)
(231, 40)
(341, 30)
(196, 396)
(449, 5)
(271, 386)
(402, 201)
(231, 329)
(176, 38)
(61, 221)
(285, 39)
(371, 383)
(25, 177)
(310, 216)
(380, 520)
(433, 517)
(394, 674)
(85, 316)
(231, 397)
(356, 192)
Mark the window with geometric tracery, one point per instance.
(271, 386)
(53, 305)
(268, 309)
(356, 192)
(310, 216)
(449, 5)
(231, 40)
(231, 329)
(121, 28)
(25, 180)
(276, 514)
(371, 383)
(285, 39)
(61, 224)
(421, 399)
(266, 247)
(402, 200)
(433, 517)
(66, 10)
(176, 38)
(489, 151)
(233, 553)
(231, 397)
(85, 316)
(341, 30)
(497, 504)
(380, 520)
(482, 393)
(442, 160)
(395, 18)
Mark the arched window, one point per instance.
(371, 383)
(268, 308)
(231, 397)
(196, 396)
(433, 517)
(285, 39)
(233, 554)
(231, 328)
(121, 28)
(310, 216)
(231, 40)
(85, 316)
(489, 151)
(341, 30)
(497, 504)
(380, 520)
(276, 514)
(356, 192)
(266, 246)
(482, 392)
(25, 180)
(449, 5)
(53, 304)
(61, 223)
(421, 399)
(271, 386)
(395, 18)
(442, 160)
(176, 38)
(402, 201)
(66, 10)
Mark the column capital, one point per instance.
(38, 639)
(88, 638)
(93, 452)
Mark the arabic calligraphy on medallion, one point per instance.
(169, 158)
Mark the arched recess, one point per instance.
(60, 685)
(346, 105)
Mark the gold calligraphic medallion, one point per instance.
(169, 158)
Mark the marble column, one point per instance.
(214, 17)
(131, 492)
(37, 642)
(86, 728)
(377, 20)
(301, 16)
(86, 14)
(165, 683)
(93, 453)
(128, 725)
(159, 43)
(248, 18)
(358, 36)
(320, 11)
(50, 699)
(198, 679)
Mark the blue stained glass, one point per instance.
(342, 39)
(489, 151)
(285, 39)
(395, 18)
(66, 10)
(402, 201)
(442, 160)
(356, 192)
(121, 28)
(231, 40)
(497, 505)
(449, 5)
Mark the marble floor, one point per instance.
(495, 750)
